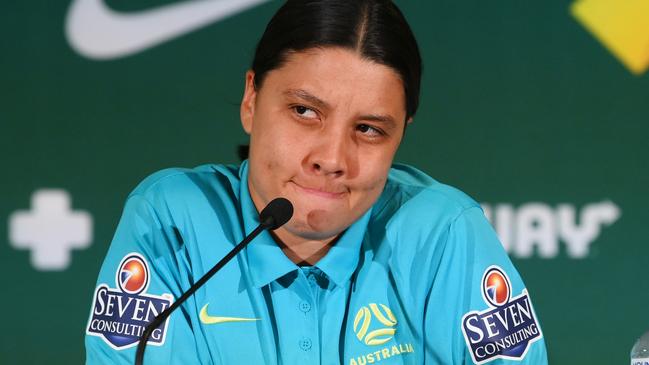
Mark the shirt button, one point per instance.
(305, 307)
(305, 344)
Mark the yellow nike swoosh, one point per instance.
(207, 319)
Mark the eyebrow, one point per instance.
(380, 118)
(306, 96)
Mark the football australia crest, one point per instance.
(382, 315)
(375, 325)
(504, 330)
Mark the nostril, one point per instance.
(316, 166)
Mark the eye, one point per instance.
(304, 112)
(369, 131)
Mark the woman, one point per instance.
(379, 263)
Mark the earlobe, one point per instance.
(247, 111)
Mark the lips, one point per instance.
(329, 192)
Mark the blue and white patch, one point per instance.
(507, 328)
(120, 315)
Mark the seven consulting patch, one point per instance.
(505, 329)
(120, 315)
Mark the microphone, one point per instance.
(273, 216)
(276, 213)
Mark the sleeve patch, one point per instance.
(120, 315)
(504, 330)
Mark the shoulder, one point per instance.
(180, 184)
(182, 179)
(423, 225)
(186, 195)
(419, 217)
(180, 203)
(412, 196)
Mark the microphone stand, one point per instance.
(273, 216)
(158, 320)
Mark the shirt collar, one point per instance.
(267, 262)
(340, 262)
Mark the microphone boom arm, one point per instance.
(158, 320)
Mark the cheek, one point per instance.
(375, 187)
(375, 172)
(265, 144)
(276, 132)
(371, 186)
(287, 149)
(376, 169)
(275, 152)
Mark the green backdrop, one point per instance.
(522, 107)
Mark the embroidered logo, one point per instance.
(374, 325)
(208, 319)
(363, 321)
(507, 328)
(120, 315)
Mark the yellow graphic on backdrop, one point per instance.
(621, 25)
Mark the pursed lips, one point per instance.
(326, 192)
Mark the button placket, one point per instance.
(308, 340)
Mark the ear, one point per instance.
(409, 120)
(247, 111)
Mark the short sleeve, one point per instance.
(141, 275)
(478, 310)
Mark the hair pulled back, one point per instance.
(376, 29)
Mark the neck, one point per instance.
(300, 250)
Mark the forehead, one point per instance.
(342, 78)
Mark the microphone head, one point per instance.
(276, 213)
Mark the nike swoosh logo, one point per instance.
(97, 32)
(207, 319)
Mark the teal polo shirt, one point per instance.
(420, 278)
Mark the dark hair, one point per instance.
(375, 29)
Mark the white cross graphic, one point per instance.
(50, 229)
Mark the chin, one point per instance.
(308, 230)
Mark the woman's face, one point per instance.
(323, 129)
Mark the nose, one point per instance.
(329, 155)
